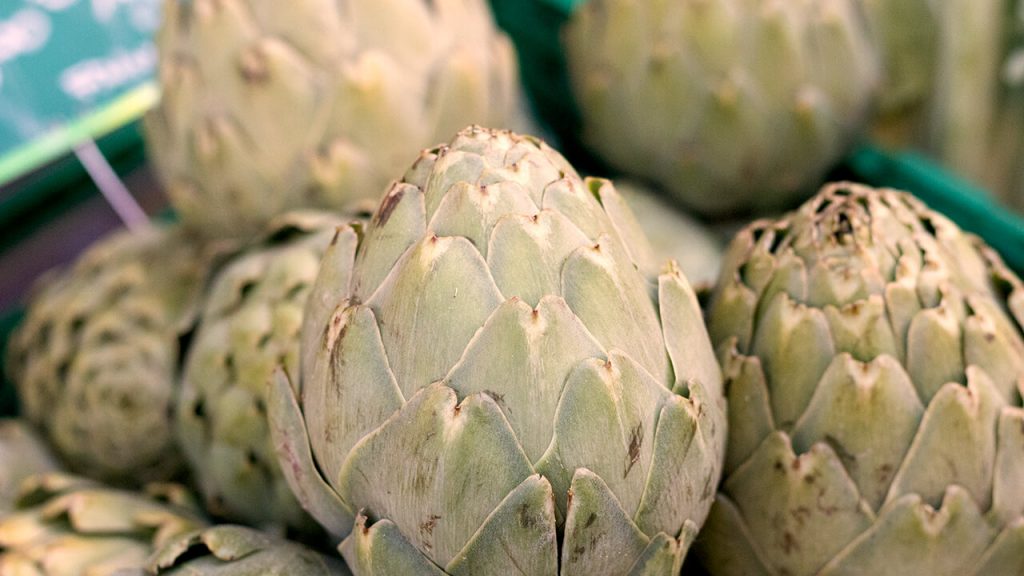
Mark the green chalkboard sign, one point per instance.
(70, 70)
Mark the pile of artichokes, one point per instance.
(499, 365)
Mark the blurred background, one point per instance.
(935, 108)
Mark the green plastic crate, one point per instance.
(535, 27)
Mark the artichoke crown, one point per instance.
(874, 356)
(497, 379)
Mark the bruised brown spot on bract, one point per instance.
(499, 399)
(427, 527)
(387, 206)
(789, 543)
(252, 66)
(636, 440)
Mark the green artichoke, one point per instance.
(228, 550)
(674, 235)
(95, 361)
(730, 105)
(1004, 171)
(68, 526)
(269, 106)
(906, 33)
(497, 380)
(250, 324)
(22, 455)
(874, 360)
(965, 98)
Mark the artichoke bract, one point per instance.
(874, 361)
(730, 105)
(95, 361)
(65, 525)
(250, 324)
(269, 106)
(229, 550)
(498, 379)
(22, 455)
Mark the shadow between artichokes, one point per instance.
(504, 376)
(874, 360)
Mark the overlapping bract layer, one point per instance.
(68, 525)
(729, 104)
(269, 105)
(229, 550)
(875, 363)
(250, 324)
(95, 361)
(497, 370)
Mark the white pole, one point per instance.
(111, 186)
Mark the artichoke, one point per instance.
(69, 526)
(674, 234)
(874, 360)
(22, 455)
(250, 324)
(498, 379)
(95, 361)
(269, 106)
(730, 105)
(228, 550)
(966, 94)
(906, 33)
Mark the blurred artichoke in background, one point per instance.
(966, 94)
(674, 235)
(96, 359)
(229, 550)
(874, 360)
(269, 105)
(504, 377)
(250, 324)
(906, 33)
(22, 454)
(730, 105)
(71, 526)
(1004, 172)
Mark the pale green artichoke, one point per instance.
(874, 361)
(497, 382)
(95, 361)
(966, 94)
(906, 33)
(269, 106)
(730, 105)
(22, 455)
(250, 325)
(674, 234)
(1004, 172)
(68, 526)
(228, 550)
